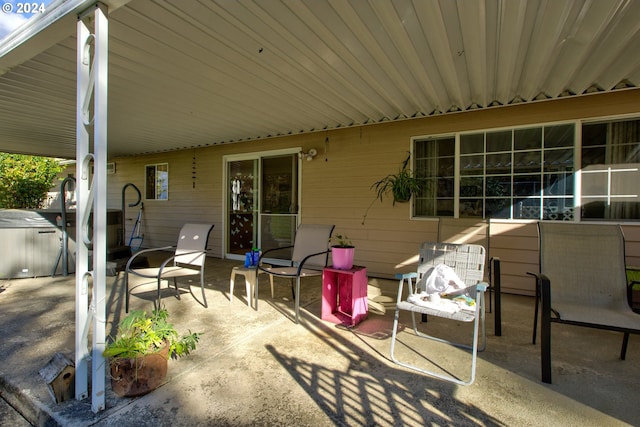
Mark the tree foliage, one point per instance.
(25, 180)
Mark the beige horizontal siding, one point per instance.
(336, 187)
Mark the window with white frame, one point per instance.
(530, 173)
(435, 168)
(157, 182)
(610, 165)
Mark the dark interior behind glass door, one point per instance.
(279, 207)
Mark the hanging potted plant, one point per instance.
(138, 356)
(342, 252)
(401, 186)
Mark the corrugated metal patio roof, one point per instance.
(195, 73)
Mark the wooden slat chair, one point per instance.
(582, 282)
(468, 263)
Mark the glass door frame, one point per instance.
(257, 205)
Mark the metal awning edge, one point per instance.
(45, 30)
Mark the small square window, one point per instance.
(157, 182)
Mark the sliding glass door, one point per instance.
(261, 201)
(242, 205)
(279, 208)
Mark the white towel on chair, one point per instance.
(444, 305)
(441, 279)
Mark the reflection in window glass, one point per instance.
(472, 143)
(527, 139)
(502, 174)
(498, 186)
(498, 163)
(471, 187)
(434, 166)
(558, 136)
(527, 185)
(529, 173)
(527, 161)
(279, 181)
(499, 141)
(610, 170)
(472, 165)
(558, 160)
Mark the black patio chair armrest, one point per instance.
(630, 293)
(273, 250)
(536, 305)
(536, 275)
(146, 251)
(174, 256)
(301, 265)
(262, 255)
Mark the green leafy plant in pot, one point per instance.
(138, 355)
(401, 186)
(342, 252)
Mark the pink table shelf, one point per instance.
(344, 295)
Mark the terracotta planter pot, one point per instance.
(342, 257)
(135, 377)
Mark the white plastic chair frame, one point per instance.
(190, 251)
(310, 255)
(468, 263)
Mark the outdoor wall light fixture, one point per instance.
(309, 155)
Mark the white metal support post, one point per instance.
(91, 236)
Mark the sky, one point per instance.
(10, 16)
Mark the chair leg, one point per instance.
(497, 298)
(249, 288)
(625, 343)
(474, 348)
(204, 297)
(157, 303)
(545, 332)
(535, 313)
(271, 280)
(256, 286)
(126, 291)
(296, 297)
(490, 288)
(232, 284)
(394, 333)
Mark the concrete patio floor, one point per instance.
(258, 368)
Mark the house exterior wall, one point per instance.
(336, 187)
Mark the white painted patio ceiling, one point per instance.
(196, 73)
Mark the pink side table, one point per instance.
(344, 295)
